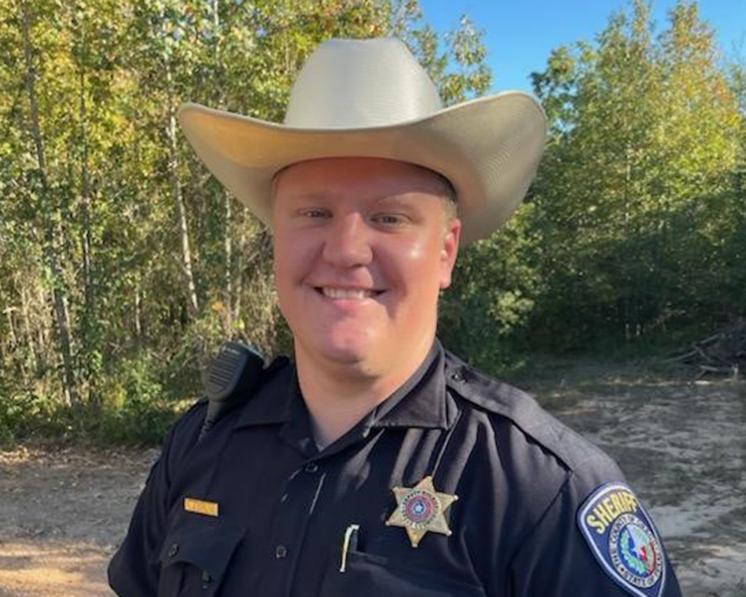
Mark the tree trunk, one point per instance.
(88, 333)
(85, 208)
(44, 328)
(138, 313)
(173, 167)
(27, 332)
(228, 277)
(11, 340)
(240, 264)
(59, 294)
(228, 287)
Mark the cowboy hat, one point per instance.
(371, 98)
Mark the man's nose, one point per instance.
(347, 243)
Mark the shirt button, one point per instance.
(280, 552)
(206, 579)
(173, 550)
(311, 467)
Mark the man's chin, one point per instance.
(354, 357)
(346, 355)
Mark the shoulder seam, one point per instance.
(550, 504)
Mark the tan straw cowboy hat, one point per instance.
(371, 98)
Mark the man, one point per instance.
(378, 463)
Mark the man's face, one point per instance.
(362, 248)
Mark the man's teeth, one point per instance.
(347, 293)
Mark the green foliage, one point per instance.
(635, 203)
(487, 308)
(137, 407)
(123, 264)
(634, 231)
(26, 415)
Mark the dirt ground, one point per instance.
(61, 514)
(682, 446)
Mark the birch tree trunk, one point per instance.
(228, 283)
(88, 332)
(27, 331)
(85, 207)
(178, 197)
(59, 290)
(228, 276)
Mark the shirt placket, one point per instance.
(296, 506)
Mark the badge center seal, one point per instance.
(635, 552)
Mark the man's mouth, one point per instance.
(349, 294)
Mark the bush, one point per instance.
(137, 408)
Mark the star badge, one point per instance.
(420, 509)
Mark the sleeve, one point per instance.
(134, 569)
(568, 555)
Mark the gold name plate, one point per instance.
(201, 507)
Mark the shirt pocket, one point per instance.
(368, 575)
(194, 561)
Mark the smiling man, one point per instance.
(362, 247)
(377, 463)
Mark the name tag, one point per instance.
(201, 507)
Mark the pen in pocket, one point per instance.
(349, 542)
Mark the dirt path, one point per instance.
(682, 446)
(61, 513)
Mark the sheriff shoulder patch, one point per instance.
(623, 539)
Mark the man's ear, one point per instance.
(449, 251)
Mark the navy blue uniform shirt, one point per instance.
(540, 511)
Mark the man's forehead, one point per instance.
(340, 172)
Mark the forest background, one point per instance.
(124, 264)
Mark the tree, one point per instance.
(122, 261)
(642, 147)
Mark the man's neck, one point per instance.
(338, 396)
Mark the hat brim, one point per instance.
(489, 149)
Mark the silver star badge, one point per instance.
(420, 509)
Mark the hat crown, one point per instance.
(353, 84)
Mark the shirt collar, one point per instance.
(421, 401)
(274, 400)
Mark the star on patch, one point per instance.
(420, 509)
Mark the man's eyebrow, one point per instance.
(408, 197)
(311, 195)
(402, 199)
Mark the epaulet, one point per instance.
(505, 400)
(486, 392)
(269, 372)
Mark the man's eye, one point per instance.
(389, 219)
(314, 213)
